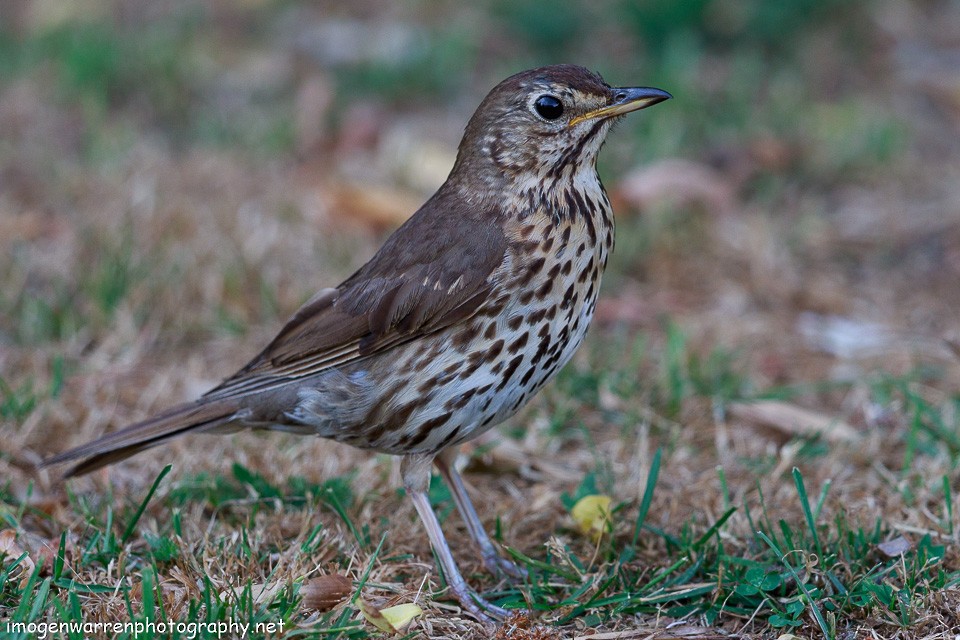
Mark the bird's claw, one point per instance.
(500, 566)
(483, 610)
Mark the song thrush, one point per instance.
(467, 310)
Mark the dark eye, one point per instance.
(548, 107)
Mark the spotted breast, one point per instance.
(462, 381)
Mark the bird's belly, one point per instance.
(472, 376)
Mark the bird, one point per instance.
(465, 312)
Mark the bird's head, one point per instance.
(545, 122)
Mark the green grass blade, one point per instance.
(805, 505)
(58, 561)
(143, 505)
(647, 495)
(948, 501)
(366, 572)
(822, 499)
(716, 527)
(818, 616)
(724, 489)
(546, 567)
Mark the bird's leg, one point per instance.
(415, 470)
(494, 562)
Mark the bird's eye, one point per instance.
(549, 107)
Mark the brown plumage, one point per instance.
(465, 312)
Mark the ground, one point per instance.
(769, 393)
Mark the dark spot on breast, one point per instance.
(584, 274)
(450, 438)
(514, 322)
(532, 270)
(509, 371)
(459, 402)
(475, 360)
(544, 331)
(529, 374)
(379, 407)
(491, 331)
(449, 370)
(425, 429)
(544, 289)
(552, 360)
(428, 385)
(542, 349)
(547, 244)
(397, 421)
(587, 217)
(519, 343)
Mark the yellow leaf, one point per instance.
(392, 619)
(592, 515)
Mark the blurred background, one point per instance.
(174, 172)
(177, 176)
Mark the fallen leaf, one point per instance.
(10, 550)
(262, 593)
(490, 454)
(326, 592)
(895, 548)
(792, 420)
(395, 619)
(592, 515)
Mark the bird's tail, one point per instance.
(200, 416)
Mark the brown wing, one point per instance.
(433, 271)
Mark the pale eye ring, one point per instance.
(548, 107)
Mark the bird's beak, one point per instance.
(625, 100)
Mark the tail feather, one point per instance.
(198, 416)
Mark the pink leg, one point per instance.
(416, 479)
(494, 562)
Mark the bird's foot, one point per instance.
(500, 566)
(473, 603)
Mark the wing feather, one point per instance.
(422, 280)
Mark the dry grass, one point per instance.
(137, 278)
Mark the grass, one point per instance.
(805, 566)
(163, 222)
(792, 571)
